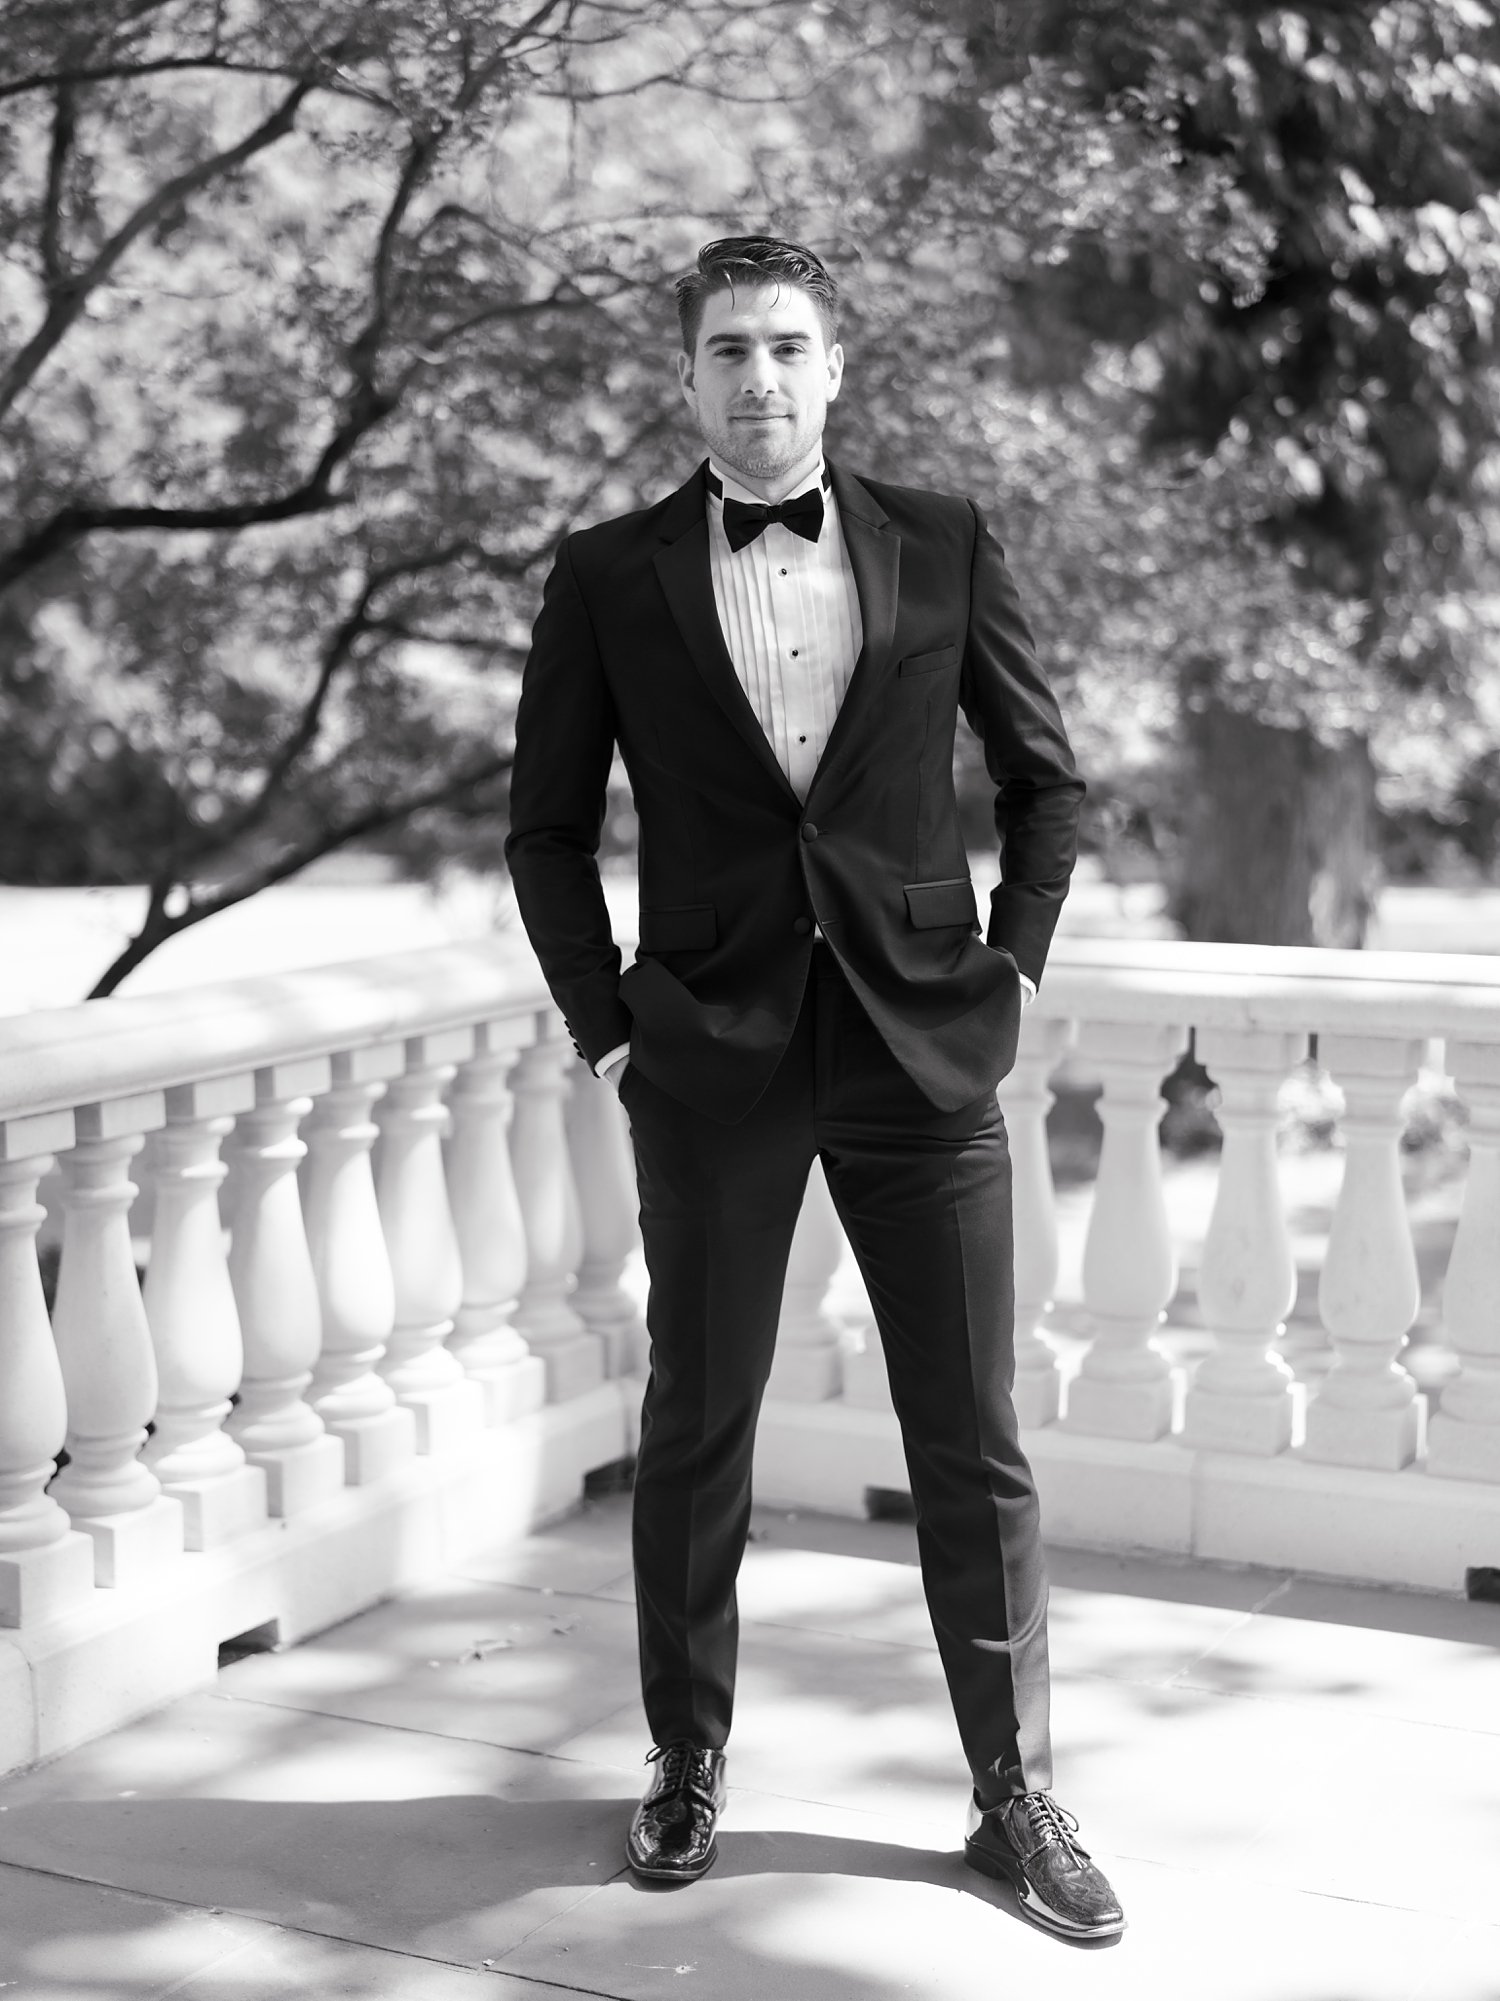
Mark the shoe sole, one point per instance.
(985, 1864)
(650, 1875)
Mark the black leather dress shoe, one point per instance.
(671, 1838)
(1029, 1842)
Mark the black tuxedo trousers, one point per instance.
(924, 1196)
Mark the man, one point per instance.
(780, 651)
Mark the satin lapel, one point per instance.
(875, 558)
(682, 566)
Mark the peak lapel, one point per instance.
(682, 565)
(875, 558)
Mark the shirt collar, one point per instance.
(733, 490)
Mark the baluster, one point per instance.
(46, 1565)
(491, 1236)
(104, 1346)
(807, 1366)
(195, 1326)
(1124, 1387)
(546, 1316)
(1366, 1412)
(1240, 1399)
(1026, 1101)
(1304, 1346)
(865, 1385)
(277, 1295)
(413, 1195)
(356, 1292)
(1463, 1434)
(604, 1177)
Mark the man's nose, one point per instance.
(759, 378)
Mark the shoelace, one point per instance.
(683, 1769)
(1052, 1823)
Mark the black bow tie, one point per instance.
(745, 519)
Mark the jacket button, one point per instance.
(802, 925)
(809, 831)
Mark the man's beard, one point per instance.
(760, 457)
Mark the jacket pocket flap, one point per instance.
(691, 927)
(931, 904)
(929, 663)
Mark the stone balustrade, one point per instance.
(344, 1283)
(1319, 1454)
(381, 1216)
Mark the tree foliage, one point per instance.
(317, 330)
(1270, 310)
(305, 375)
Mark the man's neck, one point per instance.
(775, 488)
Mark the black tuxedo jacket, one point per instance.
(734, 869)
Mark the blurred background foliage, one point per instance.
(320, 326)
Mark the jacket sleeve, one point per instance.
(565, 736)
(1010, 706)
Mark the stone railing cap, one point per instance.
(1306, 989)
(112, 1048)
(107, 1049)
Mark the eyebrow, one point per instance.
(739, 340)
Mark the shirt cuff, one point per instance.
(623, 1049)
(1028, 989)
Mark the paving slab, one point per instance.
(811, 1921)
(500, 1663)
(1319, 1797)
(428, 1845)
(1449, 1677)
(1295, 1787)
(72, 1941)
(586, 1551)
(62, 1940)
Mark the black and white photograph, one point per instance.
(749, 1000)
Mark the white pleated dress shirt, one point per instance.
(789, 612)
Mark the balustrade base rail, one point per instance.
(1408, 1529)
(128, 1650)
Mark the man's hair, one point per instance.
(754, 260)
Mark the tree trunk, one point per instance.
(1276, 833)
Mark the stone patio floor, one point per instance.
(1294, 1786)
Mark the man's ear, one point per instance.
(835, 370)
(685, 377)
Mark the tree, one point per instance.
(321, 332)
(307, 368)
(1354, 382)
(1212, 287)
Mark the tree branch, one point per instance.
(532, 25)
(69, 298)
(335, 78)
(158, 927)
(561, 299)
(64, 130)
(339, 649)
(367, 408)
(337, 653)
(70, 524)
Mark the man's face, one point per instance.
(761, 379)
